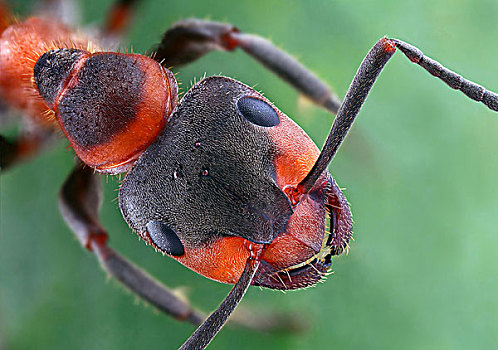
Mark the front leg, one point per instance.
(28, 143)
(79, 203)
(188, 40)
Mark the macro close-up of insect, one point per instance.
(191, 132)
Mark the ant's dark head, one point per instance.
(52, 71)
(212, 184)
(210, 174)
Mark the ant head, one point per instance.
(210, 174)
(211, 186)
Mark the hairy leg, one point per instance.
(79, 202)
(190, 39)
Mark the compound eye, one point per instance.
(257, 111)
(165, 238)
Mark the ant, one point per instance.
(293, 194)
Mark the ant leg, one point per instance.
(117, 21)
(188, 40)
(363, 81)
(28, 143)
(79, 202)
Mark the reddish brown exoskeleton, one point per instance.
(222, 181)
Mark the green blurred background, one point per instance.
(420, 169)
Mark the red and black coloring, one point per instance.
(110, 106)
(216, 199)
(222, 181)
